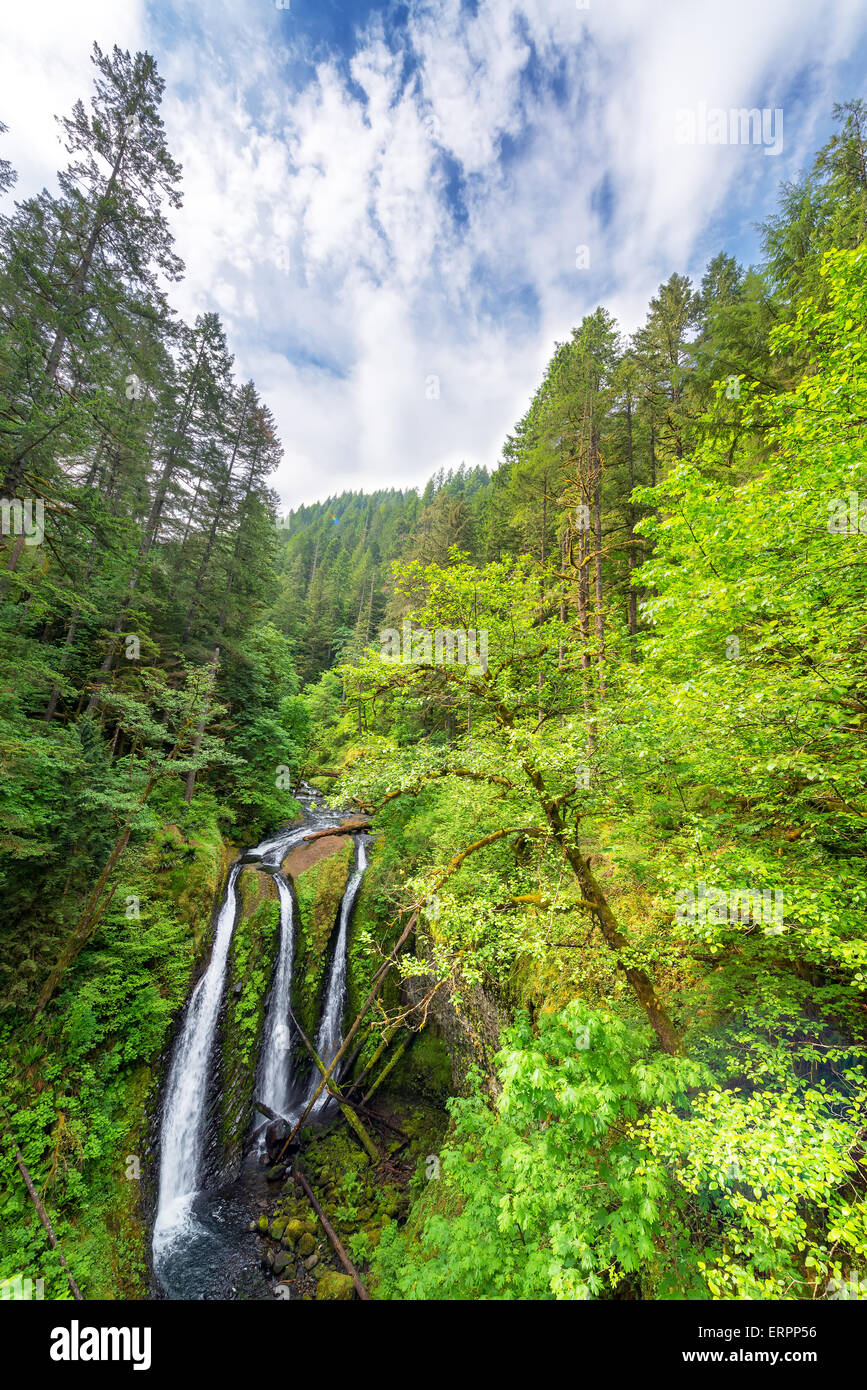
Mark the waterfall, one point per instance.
(330, 1033)
(184, 1110)
(189, 1235)
(275, 1067)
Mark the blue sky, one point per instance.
(380, 197)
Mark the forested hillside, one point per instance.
(633, 833)
(142, 683)
(334, 563)
(641, 827)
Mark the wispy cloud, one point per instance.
(406, 201)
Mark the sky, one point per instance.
(398, 209)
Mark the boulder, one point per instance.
(333, 1285)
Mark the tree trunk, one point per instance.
(212, 534)
(632, 602)
(43, 1217)
(82, 270)
(597, 531)
(200, 733)
(332, 1236)
(150, 531)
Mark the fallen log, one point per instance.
(350, 827)
(43, 1216)
(371, 1114)
(377, 982)
(386, 1039)
(332, 1236)
(353, 1060)
(351, 1119)
(392, 1061)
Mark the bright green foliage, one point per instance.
(715, 757)
(541, 1196)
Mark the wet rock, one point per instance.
(275, 1174)
(311, 1262)
(275, 1137)
(276, 1229)
(282, 1262)
(262, 1224)
(334, 1286)
(306, 1244)
(294, 1230)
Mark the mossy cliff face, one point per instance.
(319, 872)
(436, 1061)
(179, 876)
(187, 872)
(251, 964)
(469, 1031)
(87, 1121)
(360, 1198)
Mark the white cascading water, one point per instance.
(275, 1066)
(273, 851)
(186, 1243)
(330, 1032)
(183, 1114)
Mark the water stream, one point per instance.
(197, 1234)
(330, 1033)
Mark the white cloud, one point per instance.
(318, 213)
(45, 67)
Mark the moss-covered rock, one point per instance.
(333, 1285)
(251, 964)
(319, 889)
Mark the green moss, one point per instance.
(319, 890)
(82, 1081)
(251, 964)
(372, 927)
(425, 1070)
(334, 1285)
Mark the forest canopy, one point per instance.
(640, 821)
